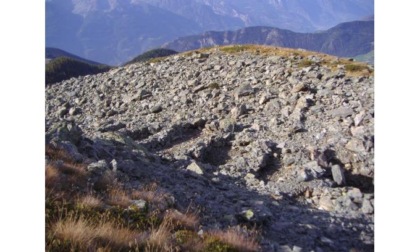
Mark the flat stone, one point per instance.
(243, 90)
(367, 207)
(299, 87)
(156, 109)
(297, 249)
(194, 167)
(326, 204)
(355, 145)
(357, 131)
(199, 88)
(99, 166)
(338, 175)
(359, 118)
(75, 111)
(341, 112)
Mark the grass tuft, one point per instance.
(231, 240)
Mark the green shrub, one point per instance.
(154, 55)
(63, 68)
(213, 244)
(236, 48)
(214, 85)
(354, 67)
(306, 63)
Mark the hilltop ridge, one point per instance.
(344, 40)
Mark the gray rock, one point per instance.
(75, 111)
(359, 118)
(355, 195)
(299, 87)
(341, 112)
(112, 127)
(367, 207)
(62, 111)
(326, 204)
(338, 175)
(98, 167)
(297, 249)
(238, 111)
(114, 165)
(156, 109)
(285, 248)
(196, 168)
(65, 131)
(313, 117)
(143, 94)
(303, 176)
(357, 132)
(70, 149)
(243, 90)
(139, 204)
(315, 170)
(355, 145)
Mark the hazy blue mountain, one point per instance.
(346, 39)
(111, 32)
(52, 53)
(296, 15)
(114, 31)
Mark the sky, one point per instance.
(22, 125)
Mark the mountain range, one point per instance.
(345, 40)
(113, 31)
(53, 53)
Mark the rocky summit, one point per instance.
(275, 139)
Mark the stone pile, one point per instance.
(249, 139)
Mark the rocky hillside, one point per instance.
(273, 139)
(345, 40)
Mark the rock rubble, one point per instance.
(249, 139)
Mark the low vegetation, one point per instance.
(152, 55)
(63, 68)
(236, 48)
(302, 57)
(86, 213)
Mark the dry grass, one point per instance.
(52, 176)
(105, 182)
(118, 197)
(89, 201)
(160, 238)
(150, 196)
(77, 219)
(55, 153)
(179, 220)
(87, 236)
(236, 240)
